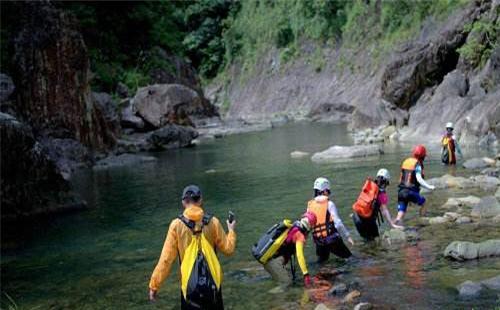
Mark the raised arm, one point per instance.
(226, 243)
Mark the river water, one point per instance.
(102, 258)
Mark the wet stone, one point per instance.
(349, 298)
(469, 290)
(363, 306)
(338, 289)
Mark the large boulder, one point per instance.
(31, 182)
(487, 207)
(337, 152)
(162, 104)
(464, 250)
(171, 136)
(128, 118)
(108, 108)
(51, 74)
(475, 163)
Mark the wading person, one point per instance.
(329, 229)
(372, 202)
(412, 178)
(280, 244)
(449, 145)
(195, 236)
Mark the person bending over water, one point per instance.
(412, 177)
(194, 236)
(372, 200)
(280, 243)
(328, 225)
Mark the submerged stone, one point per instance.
(338, 289)
(487, 207)
(469, 289)
(337, 152)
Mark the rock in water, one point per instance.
(492, 283)
(51, 76)
(363, 306)
(475, 163)
(298, 154)
(349, 298)
(122, 160)
(469, 289)
(487, 207)
(337, 152)
(394, 236)
(461, 250)
(128, 119)
(172, 136)
(321, 307)
(463, 220)
(338, 289)
(162, 104)
(464, 250)
(438, 220)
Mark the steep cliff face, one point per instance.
(52, 78)
(423, 83)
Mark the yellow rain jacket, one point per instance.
(179, 238)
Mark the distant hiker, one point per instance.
(328, 225)
(449, 145)
(280, 244)
(195, 236)
(372, 202)
(412, 177)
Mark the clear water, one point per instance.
(102, 258)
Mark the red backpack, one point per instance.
(364, 206)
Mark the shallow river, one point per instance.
(102, 258)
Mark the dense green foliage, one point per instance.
(485, 37)
(127, 40)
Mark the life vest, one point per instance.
(269, 244)
(201, 274)
(408, 175)
(448, 151)
(367, 199)
(324, 231)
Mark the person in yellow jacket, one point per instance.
(194, 236)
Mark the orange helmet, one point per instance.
(419, 152)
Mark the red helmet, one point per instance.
(311, 218)
(419, 152)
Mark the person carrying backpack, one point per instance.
(329, 229)
(372, 202)
(194, 236)
(280, 244)
(449, 145)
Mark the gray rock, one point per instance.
(109, 109)
(487, 207)
(171, 136)
(489, 248)
(128, 119)
(475, 163)
(122, 160)
(298, 154)
(321, 307)
(485, 182)
(497, 193)
(492, 283)
(394, 236)
(279, 121)
(161, 104)
(388, 131)
(6, 87)
(463, 220)
(451, 216)
(492, 172)
(469, 289)
(462, 250)
(338, 289)
(363, 306)
(337, 152)
(438, 220)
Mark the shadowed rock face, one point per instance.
(30, 182)
(51, 77)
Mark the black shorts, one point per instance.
(366, 227)
(337, 247)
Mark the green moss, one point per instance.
(484, 38)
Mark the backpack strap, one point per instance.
(191, 224)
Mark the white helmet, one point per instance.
(384, 173)
(449, 125)
(322, 184)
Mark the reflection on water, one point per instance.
(102, 258)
